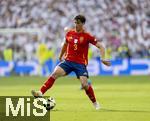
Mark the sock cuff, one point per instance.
(51, 77)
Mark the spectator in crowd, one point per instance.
(119, 22)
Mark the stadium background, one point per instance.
(31, 34)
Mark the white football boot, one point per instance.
(97, 105)
(36, 94)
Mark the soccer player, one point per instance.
(75, 49)
(66, 29)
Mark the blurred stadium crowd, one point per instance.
(123, 26)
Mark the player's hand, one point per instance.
(60, 59)
(106, 62)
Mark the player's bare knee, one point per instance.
(84, 82)
(57, 73)
(84, 85)
(54, 75)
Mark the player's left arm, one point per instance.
(101, 48)
(102, 53)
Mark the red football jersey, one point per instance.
(77, 47)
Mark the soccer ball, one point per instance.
(50, 103)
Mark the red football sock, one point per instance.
(48, 84)
(90, 94)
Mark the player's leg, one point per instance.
(82, 74)
(61, 69)
(58, 72)
(89, 91)
(89, 83)
(88, 88)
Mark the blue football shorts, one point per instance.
(69, 66)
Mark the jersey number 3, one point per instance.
(75, 46)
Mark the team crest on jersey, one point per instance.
(75, 41)
(81, 39)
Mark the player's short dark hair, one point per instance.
(81, 18)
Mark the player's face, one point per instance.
(78, 25)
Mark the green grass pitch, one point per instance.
(125, 98)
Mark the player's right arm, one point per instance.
(63, 50)
(64, 47)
